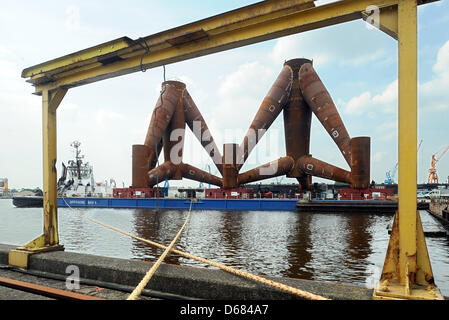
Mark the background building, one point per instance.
(3, 186)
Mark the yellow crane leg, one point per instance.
(407, 272)
(49, 240)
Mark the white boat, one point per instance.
(77, 179)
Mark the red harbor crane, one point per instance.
(433, 176)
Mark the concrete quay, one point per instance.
(170, 282)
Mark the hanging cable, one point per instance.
(144, 45)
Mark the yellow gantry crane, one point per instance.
(407, 273)
(433, 176)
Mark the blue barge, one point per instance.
(264, 204)
(180, 203)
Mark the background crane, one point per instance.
(433, 176)
(390, 174)
(207, 167)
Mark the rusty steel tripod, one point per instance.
(298, 91)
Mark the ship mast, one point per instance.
(76, 144)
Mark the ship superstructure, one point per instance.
(77, 178)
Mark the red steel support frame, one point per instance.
(298, 92)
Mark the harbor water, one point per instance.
(347, 248)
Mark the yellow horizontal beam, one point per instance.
(252, 24)
(221, 35)
(125, 46)
(79, 58)
(387, 20)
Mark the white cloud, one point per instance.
(336, 45)
(365, 58)
(245, 81)
(293, 47)
(239, 96)
(442, 65)
(385, 102)
(378, 156)
(434, 94)
(106, 118)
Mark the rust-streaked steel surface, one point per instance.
(162, 114)
(360, 162)
(167, 170)
(270, 108)
(193, 173)
(323, 169)
(197, 124)
(299, 92)
(297, 124)
(322, 105)
(140, 165)
(173, 137)
(272, 169)
(230, 170)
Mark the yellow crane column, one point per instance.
(407, 273)
(49, 240)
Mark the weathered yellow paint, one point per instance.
(50, 238)
(387, 20)
(407, 273)
(419, 286)
(408, 135)
(18, 258)
(50, 102)
(79, 58)
(126, 47)
(241, 34)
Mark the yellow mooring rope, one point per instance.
(138, 290)
(280, 286)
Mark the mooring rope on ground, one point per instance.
(137, 291)
(280, 286)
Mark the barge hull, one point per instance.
(184, 204)
(368, 206)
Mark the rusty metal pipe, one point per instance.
(272, 169)
(156, 156)
(360, 162)
(162, 114)
(140, 165)
(167, 170)
(320, 101)
(318, 168)
(297, 124)
(193, 173)
(271, 106)
(197, 124)
(173, 137)
(230, 171)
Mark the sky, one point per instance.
(357, 64)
